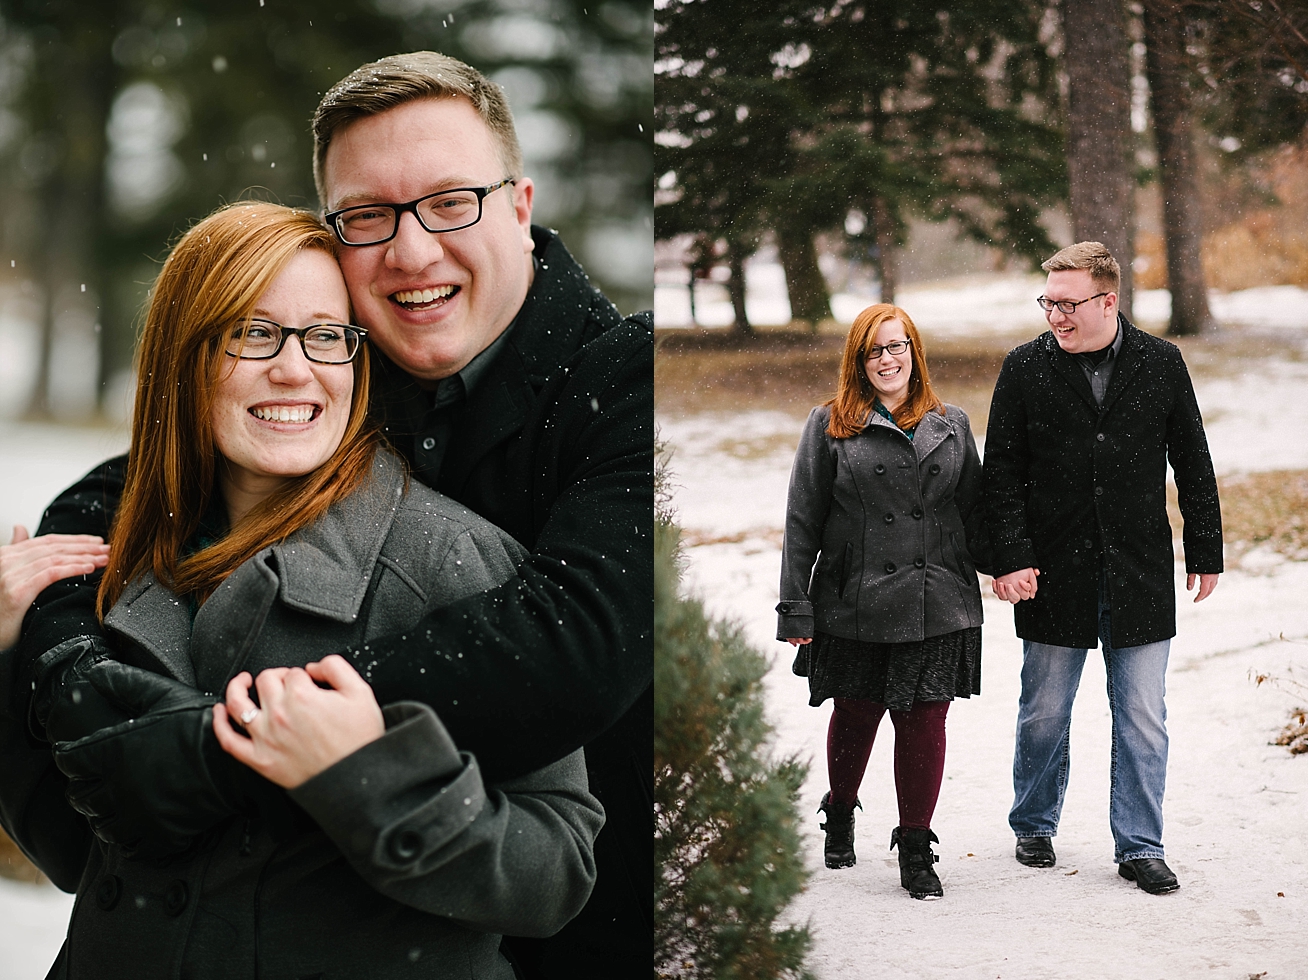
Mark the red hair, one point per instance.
(216, 275)
(854, 392)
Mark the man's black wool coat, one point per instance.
(1073, 488)
(554, 445)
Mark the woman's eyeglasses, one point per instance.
(257, 339)
(895, 347)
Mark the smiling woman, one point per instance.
(262, 526)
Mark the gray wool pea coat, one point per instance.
(880, 531)
(404, 863)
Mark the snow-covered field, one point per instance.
(1236, 807)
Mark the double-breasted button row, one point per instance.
(110, 891)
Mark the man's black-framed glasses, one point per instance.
(1065, 306)
(257, 339)
(895, 347)
(372, 224)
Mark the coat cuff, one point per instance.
(1012, 557)
(393, 802)
(794, 619)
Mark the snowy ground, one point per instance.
(1235, 805)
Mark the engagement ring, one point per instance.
(249, 715)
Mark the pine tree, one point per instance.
(726, 845)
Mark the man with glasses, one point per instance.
(1083, 424)
(512, 385)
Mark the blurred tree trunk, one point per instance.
(1099, 129)
(804, 282)
(887, 249)
(1169, 89)
(68, 101)
(736, 289)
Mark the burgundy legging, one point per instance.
(919, 753)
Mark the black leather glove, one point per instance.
(154, 782)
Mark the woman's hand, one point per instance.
(795, 641)
(299, 729)
(30, 565)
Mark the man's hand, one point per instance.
(29, 565)
(1206, 585)
(1018, 585)
(795, 641)
(151, 784)
(299, 729)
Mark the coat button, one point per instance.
(1089, 543)
(108, 892)
(920, 562)
(429, 444)
(1099, 491)
(406, 845)
(879, 468)
(917, 513)
(890, 518)
(175, 896)
(1099, 436)
(890, 568)
(935, 468)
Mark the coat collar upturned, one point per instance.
(323, 569)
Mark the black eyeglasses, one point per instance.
(372, 224)
(257, 339)
(1065, 306)
(895, 347)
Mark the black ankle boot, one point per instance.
(839, 849)
(917, 861)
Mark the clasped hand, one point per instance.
(299, 728)
(1018, 585)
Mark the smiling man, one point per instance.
(1083, 424)
(514, 386)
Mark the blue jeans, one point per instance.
(1136, 686)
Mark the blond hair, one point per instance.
(390, 82)
(1094, 257)
(855, 395)
(216, 275)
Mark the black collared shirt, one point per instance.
(1098, 365)
(435, 409)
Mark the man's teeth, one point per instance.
(284, 413)
(423, 295)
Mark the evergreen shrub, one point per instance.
(726, 842)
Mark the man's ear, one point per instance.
(1110, 306)
(524, 194)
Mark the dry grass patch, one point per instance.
(1267, 509)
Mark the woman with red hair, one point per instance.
(879, 590)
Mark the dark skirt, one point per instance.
(939, 668)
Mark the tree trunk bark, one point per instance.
(1099, 130)
(736, 290)
(804, 282)
(1169, 92)
(887, 249)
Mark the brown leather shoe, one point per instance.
(1151, 874)
(1036, 852)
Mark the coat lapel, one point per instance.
(159, 626)
(931, 432)
(1065, 366)
(325, 568)
(1128, 363)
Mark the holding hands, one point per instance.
(29, 565)
(1018, 585)
(298, 729)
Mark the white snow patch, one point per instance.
(33, 921)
